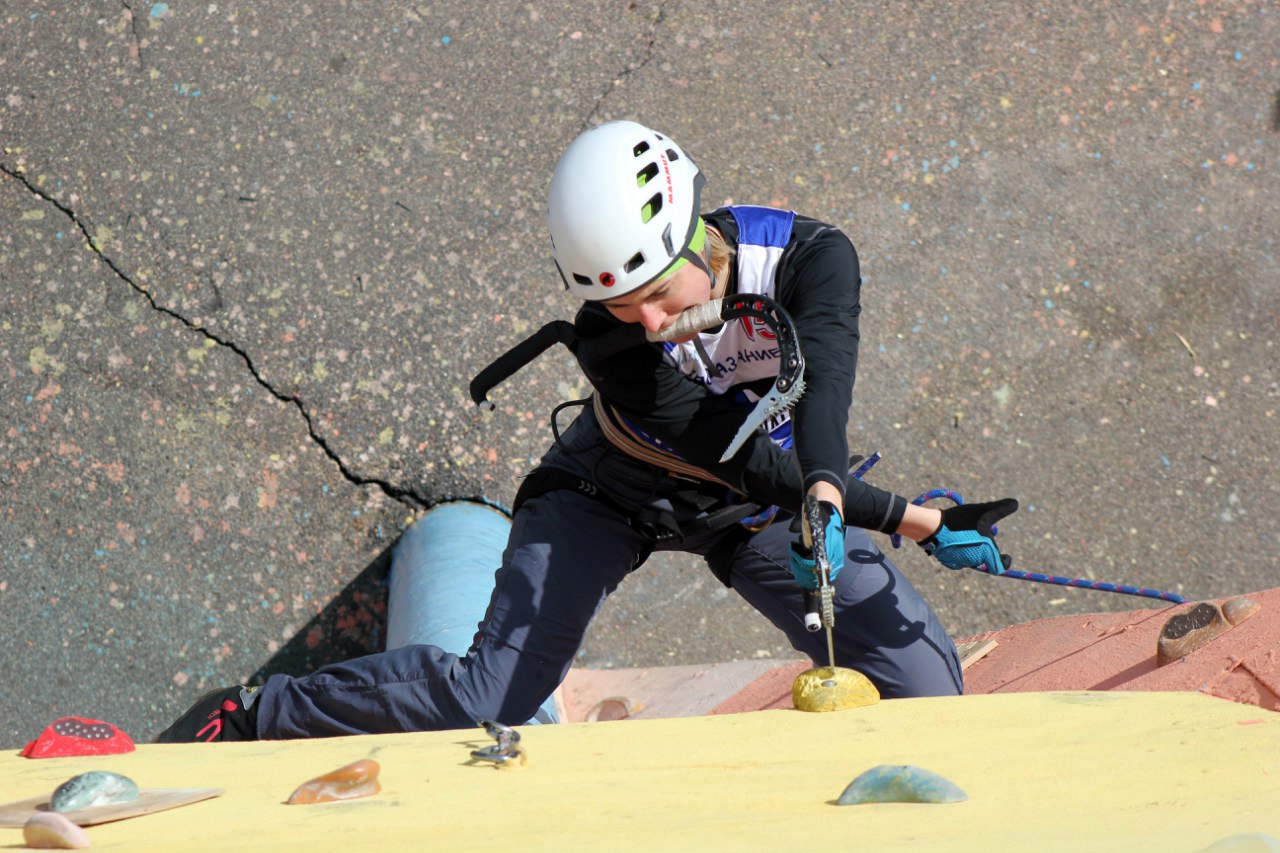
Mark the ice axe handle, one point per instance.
(811, 535)
(812, 611)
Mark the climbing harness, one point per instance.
(662, 520)
(555, 332)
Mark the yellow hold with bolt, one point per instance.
(826, 688)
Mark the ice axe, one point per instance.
(789, 385)
(819, 604)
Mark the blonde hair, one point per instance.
(718, 251)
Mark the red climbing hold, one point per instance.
(69, 736)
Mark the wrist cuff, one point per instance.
(831, 477)
(894, 515)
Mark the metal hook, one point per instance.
(507, 747)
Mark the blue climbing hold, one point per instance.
(95, 788)
(900, 783)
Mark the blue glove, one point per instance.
(963, 539)
(803, 566)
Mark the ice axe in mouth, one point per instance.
(789, 385)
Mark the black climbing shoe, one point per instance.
(225, 714)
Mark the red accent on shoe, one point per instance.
(216, 725)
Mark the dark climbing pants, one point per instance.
(565, 554)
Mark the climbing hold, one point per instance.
(1197, 626)
(900, 783)
(612, 708)
(832, 689)
(1246, 842)
(1239, 609)
(95, 788)
(1189, 630)
(357, 779)
(52, 831)
(67, 736)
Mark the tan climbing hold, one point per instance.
(357, 779)
(1239, 609)
(1199, 625)
(828, 689)
(52, 831)
(612, 708)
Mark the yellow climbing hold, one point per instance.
(828, 689)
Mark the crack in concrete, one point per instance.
(408, 497)
(135, 31)
(658, 19)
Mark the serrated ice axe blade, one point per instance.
(790, 382)
(766, 407)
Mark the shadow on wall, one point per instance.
(352, 625)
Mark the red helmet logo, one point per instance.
(606, 279)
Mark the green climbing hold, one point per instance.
(900, 783)
(95, 788)
(1248, 842)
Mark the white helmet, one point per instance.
(622, 209)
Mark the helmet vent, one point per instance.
(673, 155)
(651, 207)
(582, 279)
(640, 148)
(647, 174)
(637, 261)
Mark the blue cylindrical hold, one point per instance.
(442, 573)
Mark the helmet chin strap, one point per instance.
(700, 262)
(688, 254)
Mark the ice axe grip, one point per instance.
(693, 320)
(819, 604)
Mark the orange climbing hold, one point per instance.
(357, 779)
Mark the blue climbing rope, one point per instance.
(1036, 577)
(1123, 589)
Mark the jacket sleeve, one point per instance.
(820, 286)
